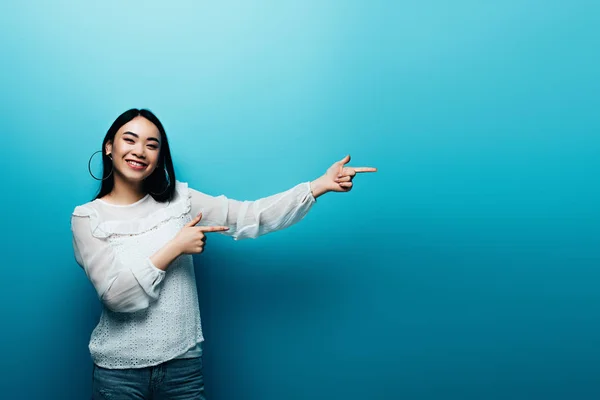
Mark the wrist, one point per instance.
(166, 255)
(174, 248)
(318, 187)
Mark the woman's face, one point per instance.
(135, 149)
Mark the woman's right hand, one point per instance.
(191, 239)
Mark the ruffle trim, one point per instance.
(179, 206)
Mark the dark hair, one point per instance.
(157, 181)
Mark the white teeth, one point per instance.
(136, 164)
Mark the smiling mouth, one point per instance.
(136, 164)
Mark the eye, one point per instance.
(128, 140)
(153, 147)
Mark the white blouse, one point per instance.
(150, 316)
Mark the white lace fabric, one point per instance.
(150, 316)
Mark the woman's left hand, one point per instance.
(338, 177)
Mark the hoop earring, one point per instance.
(167, 188)
(90, 167)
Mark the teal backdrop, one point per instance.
(466, 268)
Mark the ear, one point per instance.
(108, 148)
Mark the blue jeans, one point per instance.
(177, 379)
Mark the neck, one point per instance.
(125, 192)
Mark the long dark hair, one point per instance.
(156, 183)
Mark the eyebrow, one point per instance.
(137, 136)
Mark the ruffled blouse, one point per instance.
(149, 315)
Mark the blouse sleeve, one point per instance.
(122, 288)
(250, 219)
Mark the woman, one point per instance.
(135, 242)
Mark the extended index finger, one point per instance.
(365, 169)
(213, 228)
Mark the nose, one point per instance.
(139, 151)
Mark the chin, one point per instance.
(134, 177)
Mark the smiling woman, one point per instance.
(136, 149)
(135, 242)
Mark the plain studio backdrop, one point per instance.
(466, 268)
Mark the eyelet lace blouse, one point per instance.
(150, 316)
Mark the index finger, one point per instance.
(365, 169)
(213, 228)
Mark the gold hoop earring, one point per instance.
(90, 166)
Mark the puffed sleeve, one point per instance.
(250, 219)
(122, 288)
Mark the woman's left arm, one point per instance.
(250, 219)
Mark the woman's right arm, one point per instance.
(129, 288)
(123, 288)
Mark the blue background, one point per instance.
(466, 268)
